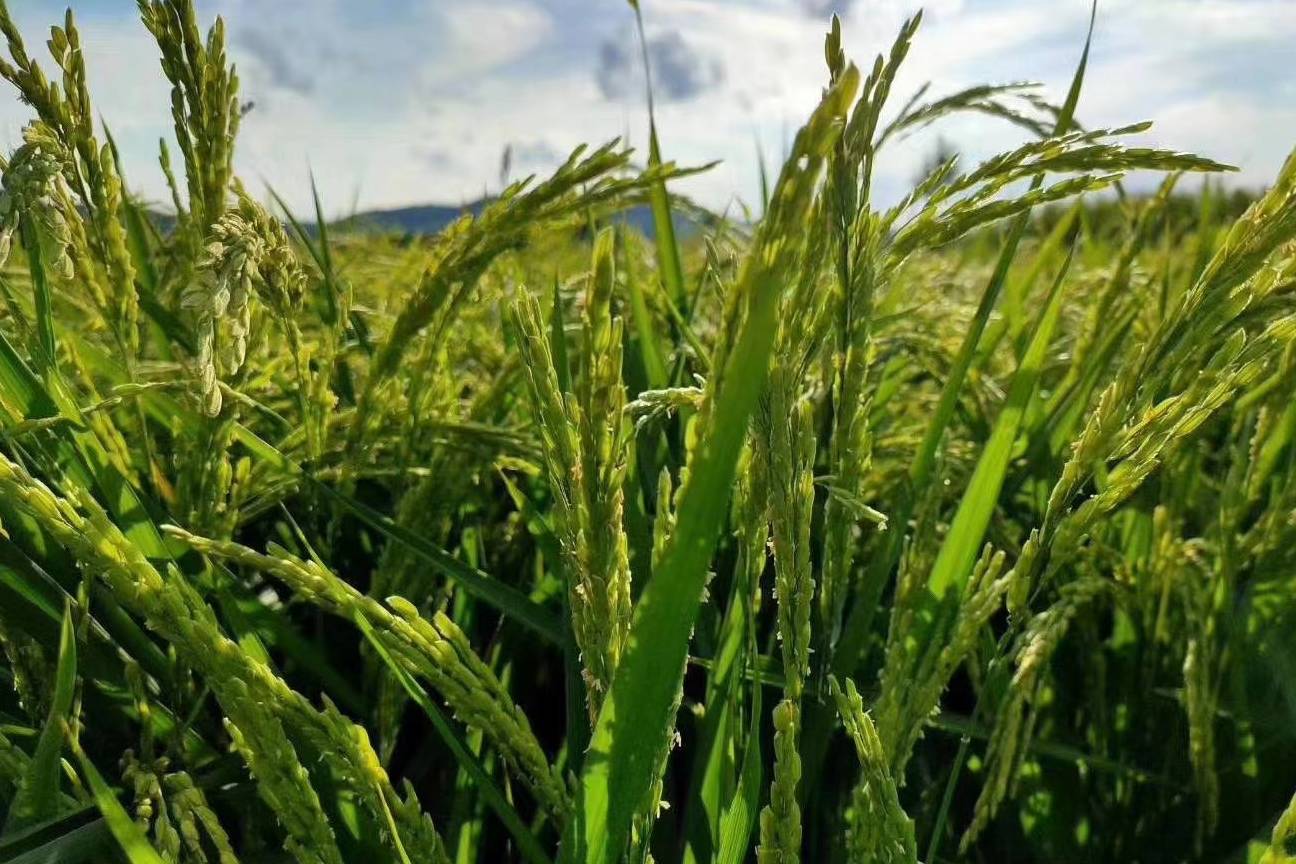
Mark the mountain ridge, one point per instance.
(431, 219)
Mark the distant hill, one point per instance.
(425, 220)
(428, 219)
(421, 219)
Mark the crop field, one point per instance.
(958, 529)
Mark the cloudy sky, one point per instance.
(395, 102)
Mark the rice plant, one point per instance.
(956, 528)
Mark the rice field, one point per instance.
(961, 528)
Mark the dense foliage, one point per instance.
(959, 529)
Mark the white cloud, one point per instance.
(483, 37)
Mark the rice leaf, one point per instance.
(130, 838)
(646, 335)
(558, 343)
(80, 836)
(507, 599)
(486, 786)
(637, 717)
(739, 817)
(34, 243)
(967, 531)
(38, 797)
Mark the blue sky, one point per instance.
(395, 102)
